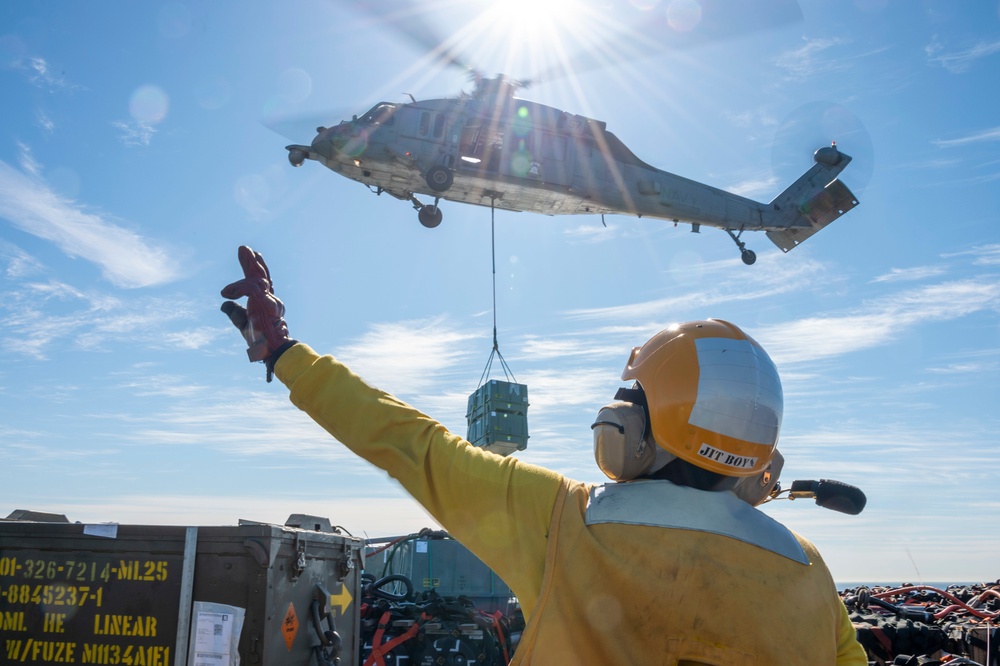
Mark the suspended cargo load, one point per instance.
(498, 395)
(498, 410)
(498, 417)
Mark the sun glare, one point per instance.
(542, 11)
(528, 20)
(532, 35)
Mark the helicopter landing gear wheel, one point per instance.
(748, 256)
(430, 216)
(439, 178)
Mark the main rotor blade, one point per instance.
(302, 127)
(605, 33)
(633, 34)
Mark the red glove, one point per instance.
(261, 322)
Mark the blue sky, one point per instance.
(136, 155)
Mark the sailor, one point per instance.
(668, 564)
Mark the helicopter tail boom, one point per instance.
(812, 202)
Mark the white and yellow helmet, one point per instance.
(713, 396)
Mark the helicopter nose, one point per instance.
(341, 141)
(325, 143)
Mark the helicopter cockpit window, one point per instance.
(381, 114)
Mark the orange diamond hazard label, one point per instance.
(290, 626)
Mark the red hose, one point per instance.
(955, 600)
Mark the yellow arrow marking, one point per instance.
(342, 599)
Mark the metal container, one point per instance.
(445, 566)
(499, 432)
(497, 417)
(156, 595)
(496, 394)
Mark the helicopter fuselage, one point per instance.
(520, 155)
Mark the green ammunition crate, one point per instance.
(499, 432)
(497, 417)
(134, 594)
(498, 395)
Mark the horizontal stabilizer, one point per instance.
(826, 206)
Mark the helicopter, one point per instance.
(492, 148)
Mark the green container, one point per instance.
(499, 431)
(498, 395)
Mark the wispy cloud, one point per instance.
(268, 424)
(754, 118)
(959, 61)
(808, 339)
(576, 387)
(808, 60)
(878, 323)
(979, 137)
(972, 362)
(588, 345)
(27, 159)
(134, 132)
(779, 277)
(982, 255)
(595, 233)
(38, 315)
(966, 368)
(17, 263)
(124, 257)
(756, 187)
(162, 385)
(821, 56)
(196, 338)
(910, 274)
(408, 356)
(41, 74)
(45, 122)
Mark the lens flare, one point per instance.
(149, 104)
(213, 94)
(294, 85)
(684, 15)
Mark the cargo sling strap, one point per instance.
(379, 650)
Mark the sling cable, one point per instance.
(498, 409)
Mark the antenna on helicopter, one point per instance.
(497, 410)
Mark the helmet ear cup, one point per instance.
(757, 488)
(621, 448)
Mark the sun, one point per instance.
(533, 33)
(542, 11)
